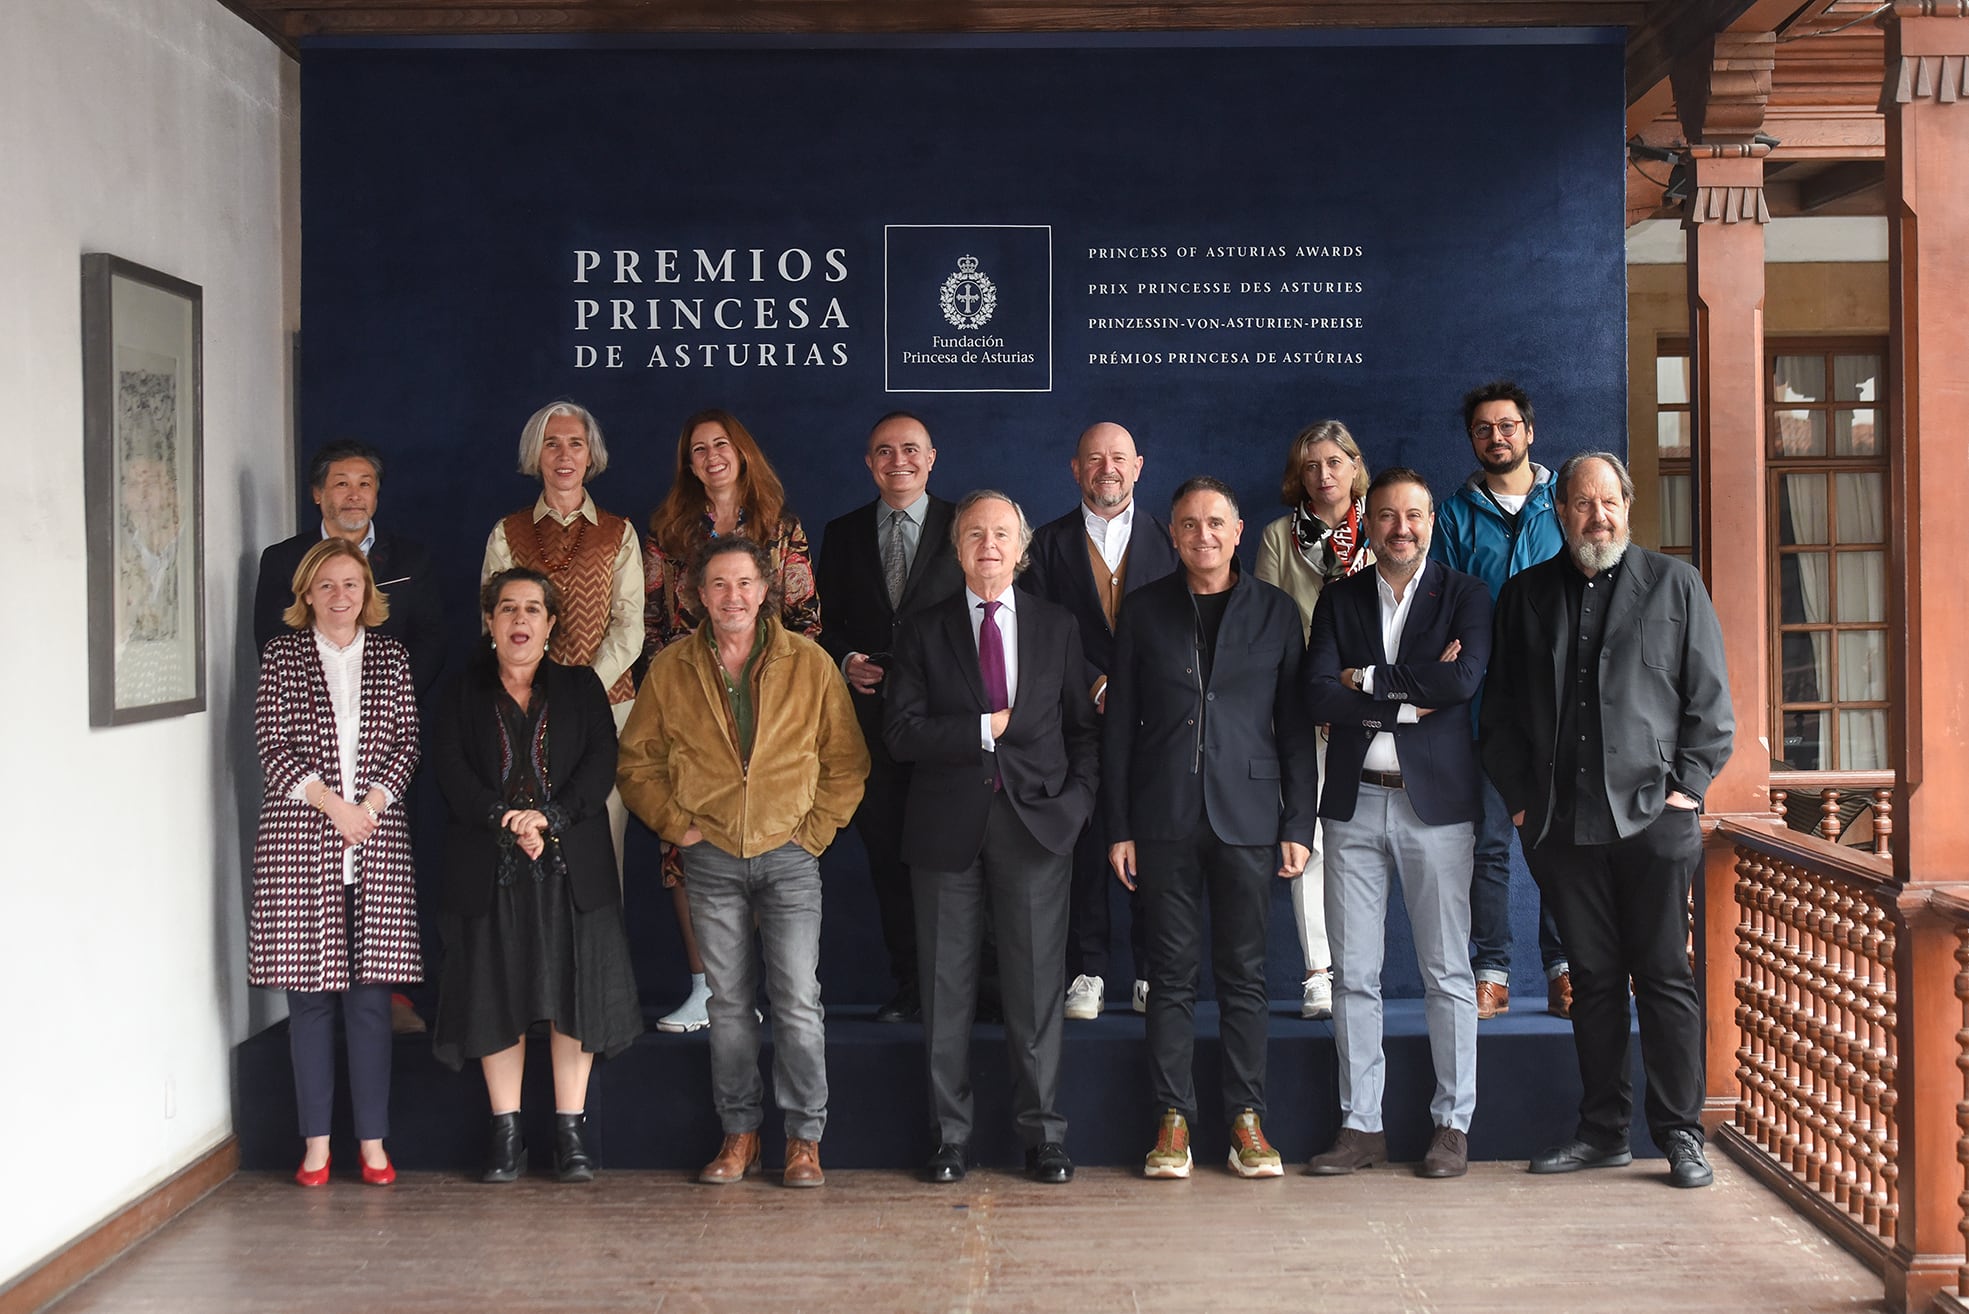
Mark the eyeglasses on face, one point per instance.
(1504, 429)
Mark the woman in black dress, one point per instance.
(525, 753)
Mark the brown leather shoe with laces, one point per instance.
(1558, 995)
(738, 1158)
(1493, 1000)
(1448, 1156)
(1352, 1151)
(802, 1163)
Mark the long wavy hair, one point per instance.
(677, 524)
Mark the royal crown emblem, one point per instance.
(968, 296)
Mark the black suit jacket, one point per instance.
(1438, 756)
(1664, 689)
(1048, 758)
(1061, 573)
(1245, 733)
(466, 750)
(403, 571)
(848, 577)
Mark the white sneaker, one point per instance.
(1317, 1001)
(689, 1015)
(1141, 995)
(1084, 997)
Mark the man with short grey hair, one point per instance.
(1605, 716)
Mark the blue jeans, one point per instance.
(1490, 901)
(781, 889)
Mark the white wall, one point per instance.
(164, 131)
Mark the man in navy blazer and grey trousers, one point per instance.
(1395, 655)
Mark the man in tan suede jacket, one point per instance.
(743, 751)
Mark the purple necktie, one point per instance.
(991, 668)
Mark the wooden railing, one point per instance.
(1830, 804)
(1851, 1012)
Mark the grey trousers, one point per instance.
(781, 889)
(1383, 842)
(1026, 886)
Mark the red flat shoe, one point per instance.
(318, 1177)
(380, 1176)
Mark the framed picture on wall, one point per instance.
(143, 413)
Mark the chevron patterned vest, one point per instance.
(580, 559)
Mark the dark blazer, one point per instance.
(1664, 689)
(403, 571)
(1255, 751)
(1437, 753)
(1048, 758)
(848, 577)
(466, 750)
(1060, 572)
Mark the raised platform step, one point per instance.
(650, 1107)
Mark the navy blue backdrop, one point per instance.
(1212, 241)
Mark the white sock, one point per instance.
(697, 984)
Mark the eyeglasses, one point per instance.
(1504, 428)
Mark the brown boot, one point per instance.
(1352, 1151)
(738, 1158)
(803, 1163)
(1493, 1000)
(1558, 995)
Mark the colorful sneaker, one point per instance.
(1171, 1155)
(1084, 997)
(1316, 1000)
(1251, 1154)
(1141, 995)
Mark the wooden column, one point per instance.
(1927, 84)
(1721, 101)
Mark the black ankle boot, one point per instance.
(505, 1152)
(572, 1162)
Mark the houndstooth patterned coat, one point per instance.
(298, 939)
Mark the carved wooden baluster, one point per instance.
(1875, 1063)
(1779, 796)
(1755, 899)
(1883, 821)
(1846, 1073)
(1890, 1071)
(1962, 1109)
(1829, 814)
(1744, 989)
(1812, 1031)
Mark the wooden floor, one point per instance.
(877, 1241)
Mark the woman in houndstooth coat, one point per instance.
(334, 910)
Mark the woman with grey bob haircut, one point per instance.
(535, 432)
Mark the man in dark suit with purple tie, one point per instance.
(985, 701)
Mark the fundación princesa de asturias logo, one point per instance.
(968, 296)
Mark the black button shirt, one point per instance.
(1580, 768)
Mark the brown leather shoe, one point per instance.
(1493, 1000)
(738, 1159)
(803, 1163)
(1448, 1156)
(1352, 1151)
(1558, 995)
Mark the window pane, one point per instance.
(1856, 378)
(1804, 740)
(1862, 507)
(1801, 509)
(1806, 674)
(1671, 380)
(1863, 741)
(1798, 378)
(1862, 666)
(1854, 434)
(1798, 433)
(1801, 588)
(1672, 434)
(1862, 586)
(1675, 512)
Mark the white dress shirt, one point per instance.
(1007, 620)
(1381, 754)
(342, 668)
(1110, 536)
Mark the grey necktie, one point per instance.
(895, 560)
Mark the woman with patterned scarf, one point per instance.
(1322, 538)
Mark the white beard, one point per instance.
(1596, 557)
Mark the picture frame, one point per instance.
(143, 467)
